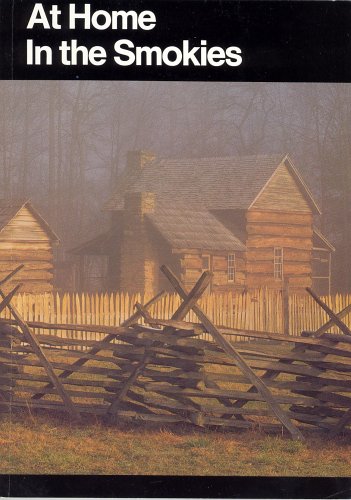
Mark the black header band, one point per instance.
(227, 40)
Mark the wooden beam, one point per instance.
(324, 328)
(337, 321)
(239, 361)
(33, 342)
(188, 303)
(191, 298)
(8, 298)
(345, 419)
(11, 274)
(100, 345)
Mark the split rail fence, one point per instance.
(261, 310)
(165, 371)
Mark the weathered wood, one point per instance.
(21, 256)
(127, 385)
(337, 321)
(282, 193)
(283, 241)
(96, 370)
(266, 268)
(11, 274)
(7, 298)
(22, 388)
(273, 229)
(229, 349)
(88, 382)
(180, 313)
(134, 318)
(227, 393)
(279, 216)
(30, 338)
(324, 328)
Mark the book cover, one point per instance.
(175, 248)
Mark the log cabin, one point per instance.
(250, 220)
(26, 238)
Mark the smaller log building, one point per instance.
(26, 238)
(251, 220)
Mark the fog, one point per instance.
(63, 144)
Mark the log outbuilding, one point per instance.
(26, 238)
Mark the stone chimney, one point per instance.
(136, 160)
(139, 269)
(139, 204)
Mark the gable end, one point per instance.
(286, 191)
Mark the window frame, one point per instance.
(278, 263)
(231, 267)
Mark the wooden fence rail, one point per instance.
(165, 371)
(255, 310)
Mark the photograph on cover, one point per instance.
(174, 271)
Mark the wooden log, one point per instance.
(7, 298)
(318, 411)
(168, 389)
(324, 328)
(10, 275)
(327, 397)
(325, 381)
(275, 229)
(292, 242)
(30, 338)
(20, 388)
(280, 217)
(26, 403)
(229, 349)
(337, 321)
(343, 422)
(85, 382)
(17, 256)
(266, 268)
(107, 339)
(96, 370)
(180, 313)
(267, 255)
(256, 334)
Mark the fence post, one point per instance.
(286, 319)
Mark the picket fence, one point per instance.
(255, 310)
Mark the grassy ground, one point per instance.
(46, 444)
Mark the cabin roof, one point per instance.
(10, 208)
(193, 229)
(232, 182)
(180, 228)
(100, 245)
(321, 241)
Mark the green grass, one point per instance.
(43, 444)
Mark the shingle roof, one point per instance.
(9, 208)
(99, 245)
(321, 240)
(197, 229)
(225, 182)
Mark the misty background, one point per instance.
(63, 144)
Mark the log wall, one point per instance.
(24, 241)
(267, 229)
(191, 269)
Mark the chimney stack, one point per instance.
(136, 160)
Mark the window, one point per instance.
(231, 267)
(278, 263)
